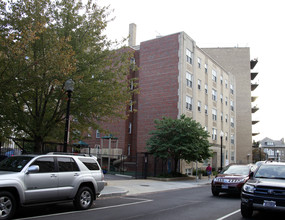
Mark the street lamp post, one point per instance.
(69, 87)
(221, 135)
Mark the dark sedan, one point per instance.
(265, 190)
(231, 179)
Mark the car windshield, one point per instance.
(271, 171)
(15, 164)
(241, 170)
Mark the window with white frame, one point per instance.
(129, 149)
(189, 79)
(232, 139)
(130, 128)
(226, 136)
(97, 134)
(226, 83)
(232, 122)
(206, 109)
(214, 114)
(206, 128)
(226, 100)
(232, 88)
(206, 88)
(232, 105)
(221, 78)
(214, 134)
(214, 94)
(199, 106)
(232, 156)
(226, 118)
(199, 84)
(189, 103)
(189, 56)
(199, 62)
(221, 96)
(214, 75)
(131, 106)
(206, 68)
(221, 116)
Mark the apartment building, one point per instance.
(237, 62)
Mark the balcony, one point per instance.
(253, 75)
(253, 98)
(254, 122)
(253, 63)
(254, 134)
(254, 109)
(253, 86)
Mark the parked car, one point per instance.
(37, 179)
(265, 190)
(231, 179)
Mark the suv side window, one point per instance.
(67, 164)
(46, 164)
(91, 164)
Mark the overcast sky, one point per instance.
(258, 24)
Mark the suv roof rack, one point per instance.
(73, 154)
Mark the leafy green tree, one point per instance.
(43, 43)
(178, 139)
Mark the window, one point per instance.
(199, 84)
(214, 114)
(214, 75)
(214, 134)
(232, 122)
(129, 149)
(226, 83)
(221, 116)
(188, 56)
(221, 78)
(199, 62)
(226, 136)
(90, 163)
(232, 105)
(67, 164)
(206, 68)
(131, 106)
(226, 100)
(189, 103)
(232, 155)
(97, 134)
(206, 109)
(206, 88)
(130, 128)
(189, 79)
(232, 88)
(132, 85)
(46, 164)
(221, 96)
(199, 106)
(226, 118)
(214, 94)
(232, 139)
(89, 133)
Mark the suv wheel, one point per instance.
(7, 205)
(246, 211)
(215, 192)
(84, 198)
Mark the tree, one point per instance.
(43, 43)
(178, 139)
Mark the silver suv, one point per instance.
(35, 179)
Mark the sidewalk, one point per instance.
(129, 186)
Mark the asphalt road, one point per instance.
(195, 203)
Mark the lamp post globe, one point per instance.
(69, 87)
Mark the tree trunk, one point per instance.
(175, 165)
(38, 148)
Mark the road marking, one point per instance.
(228, 215)
(94, 209)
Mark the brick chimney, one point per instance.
(132, 34)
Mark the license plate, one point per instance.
(225, 186)
(269, 203)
